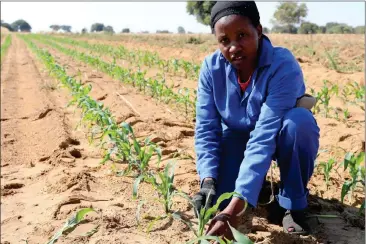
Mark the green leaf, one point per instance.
(345, 188)
(241, 238)
(81, 214)
(70, 224)
(362, 208)
(360, 158)
(189, 224)
(214, 208)
(136, 185)
(347, 160)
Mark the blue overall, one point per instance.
(238, 135)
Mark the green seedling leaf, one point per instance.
(189, 224)
(71, 224)
(136, 185)
(239, 237)
(345, 188)
(362, 208)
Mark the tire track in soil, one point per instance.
(152, 114)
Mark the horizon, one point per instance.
(152, 16)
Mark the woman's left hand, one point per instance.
(219, 226)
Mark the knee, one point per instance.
(300, 121)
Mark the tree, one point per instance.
(338, 28)
(125, 30)
(66, 28)
(329, 25)
(291, 29)
(21, 25)
(265, 30)
(55, 27)
(308, 28)
(97, 27)
(322, 29)
(289, 14)
(201, 10)
(181, 30)
(360, 29)
(6, 25)
(108, 29)
(84, 31)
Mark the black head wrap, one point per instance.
(244, 8)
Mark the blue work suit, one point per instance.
(238, 135)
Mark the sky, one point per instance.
(152, 16)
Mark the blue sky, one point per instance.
(151, 16)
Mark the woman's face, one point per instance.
(238, 40)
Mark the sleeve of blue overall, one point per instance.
(282, 91)
(208, 127)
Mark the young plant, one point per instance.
(327, 168)
(346, 114)
(239, 238)
(185, 99)
(71, 224)
(140, 155)
(357, 172)
(204, 216)
(162, 183)
(332, 59)
(323, 97)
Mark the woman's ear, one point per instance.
(259, 31)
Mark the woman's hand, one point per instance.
(219, 225)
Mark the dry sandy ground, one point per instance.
(46, 161)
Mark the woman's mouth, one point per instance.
(237, 58)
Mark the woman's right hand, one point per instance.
(206, 193)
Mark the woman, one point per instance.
(249, 112)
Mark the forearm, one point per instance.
(235, 207)
(207, 145)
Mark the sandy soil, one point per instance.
(45, 161)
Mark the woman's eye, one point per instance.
(241, 35)
(224, 40)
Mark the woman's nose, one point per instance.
(234, 47)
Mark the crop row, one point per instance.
(352, 93)
(120, 145)
(156, 88)
(138, 57)
(4, 47)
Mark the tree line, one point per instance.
(287, 18)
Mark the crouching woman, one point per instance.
(252, 108)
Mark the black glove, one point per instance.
(207, 192)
